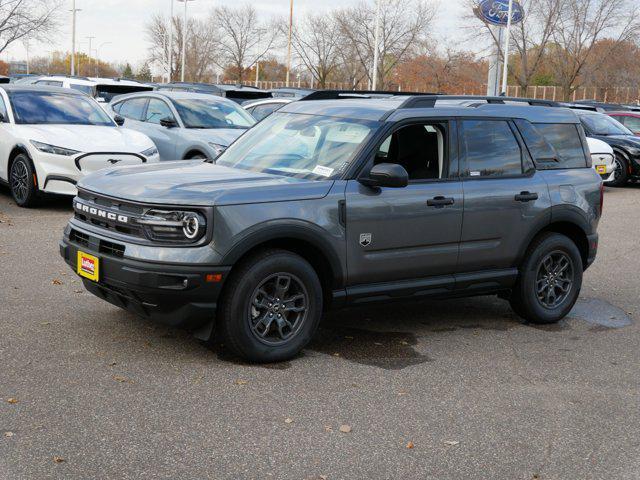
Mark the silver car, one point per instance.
(183, 125)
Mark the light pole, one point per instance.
(98, 55)
(507, 40)
(89, 59)
(376, 43)
(170, 56)
(289, 43)
(73, 36)
(184, 39)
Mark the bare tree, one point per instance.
(21, 19)
(244, 40)
(582, 24)
(403, 23)
(316, 42)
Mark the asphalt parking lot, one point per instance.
(446, 390)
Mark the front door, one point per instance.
(165, 138)
(409, 233)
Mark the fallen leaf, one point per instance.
(345, 428)
(328, 428)
(113, 364)
(58, 459)
(8, 434)
(404, 343)
(378, 344)
(451, 443)
(288, 420)
(241, 382)
(410, 445)
(121, 379)
(44, 324)
(12, 400)
(336, 354)
(348, 337)
(56, 282)
(402, 392)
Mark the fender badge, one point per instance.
(113, 161)
(365, 239)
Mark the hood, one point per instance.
(598, 146)
(88, 138)
(220, 136)
(197, 183)
(620, 140)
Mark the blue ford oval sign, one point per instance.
(496, 12)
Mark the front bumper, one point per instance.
(172, 294)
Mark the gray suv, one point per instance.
(346, 201)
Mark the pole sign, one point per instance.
(496, 12)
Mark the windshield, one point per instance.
(212, 113)
(57, 108)
(304, 146)
(604, 125)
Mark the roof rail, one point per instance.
(345, 94)
(429, 100)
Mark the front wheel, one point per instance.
(271, 307)
(22, 182)
(621, 173)
(550, 280)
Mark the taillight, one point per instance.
(601, 197)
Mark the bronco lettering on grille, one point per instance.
(97, 212)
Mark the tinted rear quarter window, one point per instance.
(567, 142)
(490, 148)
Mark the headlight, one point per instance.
(217, 148)
(45, 147)
(150, 152)
(174, 226)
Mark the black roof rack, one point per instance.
(351, 94)
(429, 100)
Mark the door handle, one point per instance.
(440, 202)
(526, 197)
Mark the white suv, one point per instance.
(102, 89)
(602, 159)
(51, 137)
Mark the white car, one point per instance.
(602, 158)
(102, 89)
(51, 137)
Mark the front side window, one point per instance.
(303, 146)
(420, 149)
(490, 148)
(157, 110)
(601, 124)
(260, 112)
(210, 113)
(567, 142)
(133, 109)
(57, 108)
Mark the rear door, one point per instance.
(409, 233)
(505, 198)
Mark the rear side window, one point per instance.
(567, 142)
(133, 108)
(490, 148)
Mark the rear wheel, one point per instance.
(550, 280)
(621, 173)
(22, 182)
(271, 307)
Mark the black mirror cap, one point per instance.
(119, 120)
(389, 175)
(168, 122)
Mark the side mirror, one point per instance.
(119, 120)
(3, 119)
(387, 175)
(168, 122)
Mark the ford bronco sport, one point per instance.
(346, 201)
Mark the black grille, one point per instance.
(113, 249)
(79, 238)
(114, 206)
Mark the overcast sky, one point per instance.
(122, 22)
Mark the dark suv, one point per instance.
(346, 201)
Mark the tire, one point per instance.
(248, 314)
(552, 263)
(621, 175)
(22, 182)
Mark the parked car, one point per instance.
(184, 125)
(238, 93)
(102, 89)
(51, 137)
(292, 93)
(626, 146)
(602, 159)
(258, 244)
(629, 119)
(261, 109)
